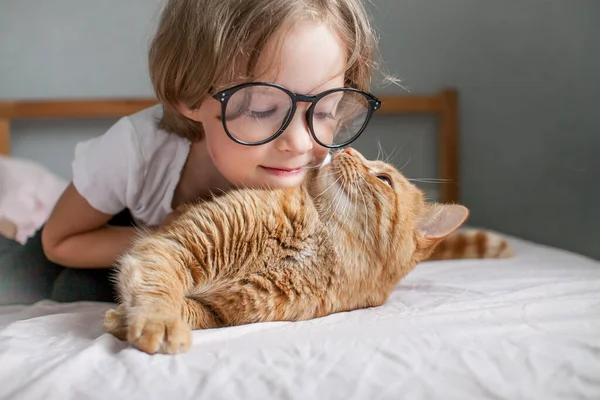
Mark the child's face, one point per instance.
(312, 57)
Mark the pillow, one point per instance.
(28, 192)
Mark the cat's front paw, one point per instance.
(154, 331)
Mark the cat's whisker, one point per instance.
(332, 208)
(327, 171)
(365, 233)
(385, 155)
(333, 228)
(346, 205)
(430, 180)
(337, 203)
(392, 154)
(380, 150)
(329, 187)
(311, 167)
(367, 186)
(337, 199)
(326, 212)
(406, 164)
(395, 153)
(327, 174)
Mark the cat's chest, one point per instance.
(296, 246)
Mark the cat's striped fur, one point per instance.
(472, 243)
(341, 242)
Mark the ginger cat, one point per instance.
(340, 242)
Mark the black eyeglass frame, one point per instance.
(223, 97)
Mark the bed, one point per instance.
(527, 327)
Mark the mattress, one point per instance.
(522, 328)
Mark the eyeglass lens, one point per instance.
(256, 113)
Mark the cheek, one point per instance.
(216, 138)
(215, 154)
(223, 151)
(234, 161)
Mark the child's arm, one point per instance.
(76, 234)
(109, 174)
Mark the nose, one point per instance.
(296, 139)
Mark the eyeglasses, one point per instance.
(256, 113)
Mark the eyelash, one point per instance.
(386, 179)
(324, 115)
(262, 114)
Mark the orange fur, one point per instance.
(471, 244)
(340, 242)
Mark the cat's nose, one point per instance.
(355, 153)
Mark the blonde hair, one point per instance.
(199, 44)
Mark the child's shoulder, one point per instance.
(133, 142)
(140, 134)
(111, 170)
(144, 125)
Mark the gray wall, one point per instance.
(527, 72)
(71, 49)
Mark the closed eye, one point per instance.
(386, 179)
(262, 114)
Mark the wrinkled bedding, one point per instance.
(523, 328)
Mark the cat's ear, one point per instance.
(437, 222)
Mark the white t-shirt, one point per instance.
(133, 165)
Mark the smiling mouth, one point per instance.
(283, 171)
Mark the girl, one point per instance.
(252, 93)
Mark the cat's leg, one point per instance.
(153, 280)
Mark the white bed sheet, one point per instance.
(525, 328)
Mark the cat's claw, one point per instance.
(159, 332)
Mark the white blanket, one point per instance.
(525, 328)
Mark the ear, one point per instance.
(437, 222)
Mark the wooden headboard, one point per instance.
(443, 104)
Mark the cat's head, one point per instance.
(372, 208)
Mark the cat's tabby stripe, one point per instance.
(469, 244)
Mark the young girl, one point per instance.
(252, 94)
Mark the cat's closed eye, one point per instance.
(385, 178)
